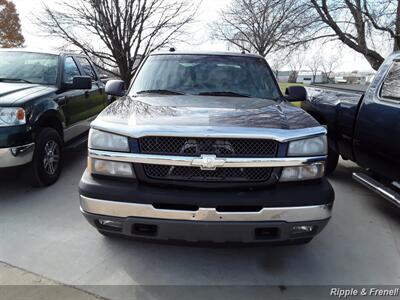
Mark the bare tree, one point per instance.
(119, 33)
(296, 62)
(359, 23)
(329, 63)
(276, 64)
(265, 26)
(314, 65)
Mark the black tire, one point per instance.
(47, 162)
(332, 162)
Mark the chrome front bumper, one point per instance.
(125, 210)
(16, 156)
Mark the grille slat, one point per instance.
(196, 174)
(186, 146)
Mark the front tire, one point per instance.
(47, 161)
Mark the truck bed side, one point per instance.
(337, 110)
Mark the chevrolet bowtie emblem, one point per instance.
(208, 162)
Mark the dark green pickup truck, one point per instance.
(47, 101)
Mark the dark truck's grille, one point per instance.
(196, 174)
(186, 146)
(221, 147)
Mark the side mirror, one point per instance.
(79, 83)
(115, 88)
(296, 93)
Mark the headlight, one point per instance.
(110, 168)
(11, 116)
(107, 141)
(309, 147)
(303, 173)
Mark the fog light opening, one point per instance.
(301, 230)
(109, 224)
(266, 233)
(144, 229)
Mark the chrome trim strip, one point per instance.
(138, 131)
(187, 161)
(124, 210)
(16, 156)
(378, 188)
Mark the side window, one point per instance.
(87, 68)
(70, 70)
(391, 86)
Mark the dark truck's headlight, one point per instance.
(101, 140)
(316, 146)
(12, 116)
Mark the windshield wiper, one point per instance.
(231, 94)
(15, 80)
(162, 92)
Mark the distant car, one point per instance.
(204, 147)
(47, 100)
(365, 128)
(340, 79)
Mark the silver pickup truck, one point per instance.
(203, 147)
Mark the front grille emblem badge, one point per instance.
(208, 162)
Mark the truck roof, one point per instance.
(32, 50)
(60, 52)
(218, 53)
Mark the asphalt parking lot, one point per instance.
(42, 231)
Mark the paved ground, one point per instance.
(20, 284)
(42, 231)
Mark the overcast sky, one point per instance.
(208, 13)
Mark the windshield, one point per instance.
(208, 75)
(28, 67)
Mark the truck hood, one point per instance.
(201, 112)
(10, 93)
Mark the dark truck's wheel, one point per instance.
(332, 162)
(47, 159)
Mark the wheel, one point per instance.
(47, 160)
(332, 162)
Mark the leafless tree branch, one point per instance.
(118, 33)
(358, 23)
(266, 26)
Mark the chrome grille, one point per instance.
(187, 146)
(160, 172)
